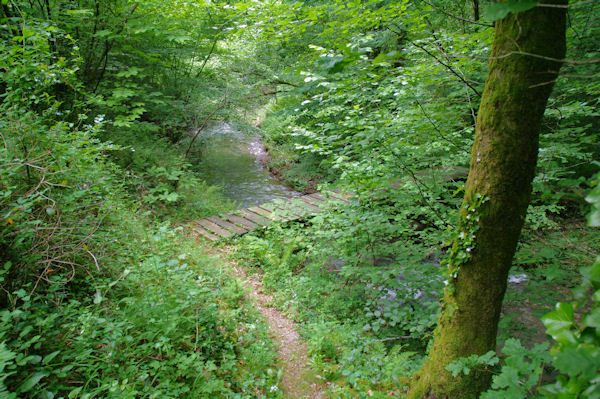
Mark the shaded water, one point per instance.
(232, 160)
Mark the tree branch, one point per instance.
(457, 17)
(108, 46)
(447, 67)
(214, 111)
(212, 49)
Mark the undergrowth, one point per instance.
(368, 304)
(100, 296)
(170, 324)
(101, 300)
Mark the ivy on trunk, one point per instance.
(525, 61)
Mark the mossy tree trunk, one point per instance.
(520, 78)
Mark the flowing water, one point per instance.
(232, 160)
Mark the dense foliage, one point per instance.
(101, 295)
(388, 96)
(103, 105)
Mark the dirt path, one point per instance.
(297, 380)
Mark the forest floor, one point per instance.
(297, 379)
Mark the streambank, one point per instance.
(301, 173)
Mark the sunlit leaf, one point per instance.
(496, 11)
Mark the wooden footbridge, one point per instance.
(244, 220)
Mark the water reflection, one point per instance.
(232, 160)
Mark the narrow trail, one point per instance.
(237, 164)
(297, 380)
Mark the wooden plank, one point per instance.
(205, 234)
(338, 192)
(316, 197)
(268, 206)
(297, 203)
(254, 217)
(207, 224)
(284, 217)
(337, 196)
(244, 220)
(303, 207)
(227, 225)
(241, 221)
(313, 201)
(264, 213)
(328, 196)
(319, 197)
(311, 205)
(292, 210)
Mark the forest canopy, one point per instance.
(463, 260)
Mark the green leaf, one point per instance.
(489, 358)
(31, 382)
(559, 322)
(547, 252)
(500, 10)
(48, 358)
(575, 361)
(31, 359)
(102, 33)
(123, 93)
(333, 64)
(97, 298)
(594, 196)
(592, 273)
(383, 57)
(25, 331)
(592, 319)
(594, 218)
(509, 376)
(455, 368)
(46, 395)
(181, 39)
(129, 72)
(84, 12)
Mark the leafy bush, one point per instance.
(96, 300)
(576, 355)
(165, 327)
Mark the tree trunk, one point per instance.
(520, 78)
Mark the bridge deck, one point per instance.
(244, 220)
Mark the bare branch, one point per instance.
(563, 61)
(581, 3)
(95, 260)
(447, 67)
(457, 17)
(394, 338)
(214, 111)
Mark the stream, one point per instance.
(233, 161)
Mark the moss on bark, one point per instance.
(502, 168)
